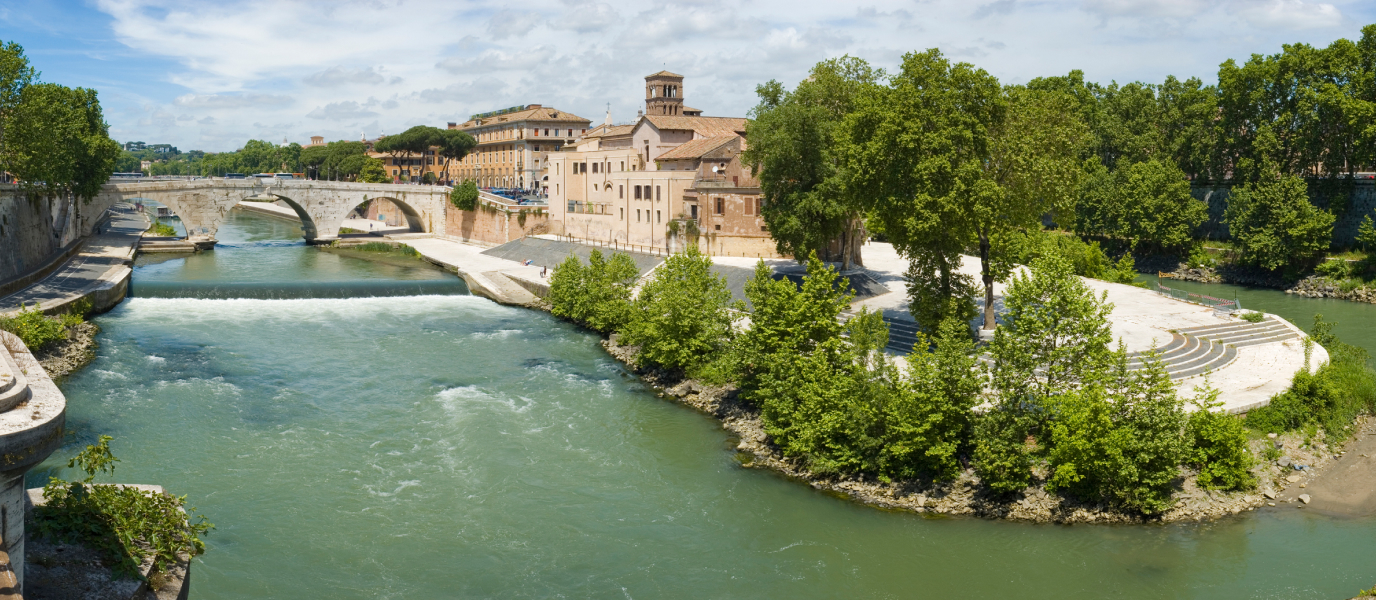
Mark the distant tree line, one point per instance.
(53, 139)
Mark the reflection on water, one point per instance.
(443, 446)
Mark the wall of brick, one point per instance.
(494, 226)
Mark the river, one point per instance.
(438, 445)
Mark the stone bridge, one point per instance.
(203, 204)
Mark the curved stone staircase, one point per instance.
(1199, 350)
(1191, 351)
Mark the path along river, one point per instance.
(442, 446)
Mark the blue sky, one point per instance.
(211, 75)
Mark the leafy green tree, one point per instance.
(15, 76)
(683, 315)
(1145, 202)
(1218, 444)
(930, 423)
(792, 148)
(448, 144)
(1118, 437)
(373, 172)
(464, 196)
(787, 318)
(58, 141)
(1055, 337)
(1275, 225)
(598, 295)
(1366, 235)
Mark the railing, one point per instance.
(614, 245)
(1218, 304)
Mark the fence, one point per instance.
(1218, 304)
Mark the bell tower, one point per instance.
(664, 94)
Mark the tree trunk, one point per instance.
(988, 277)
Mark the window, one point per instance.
(546, 132)
(694, 209)
(718, 227)
(594, 167)
(657, 219)
(573, 206)
(656, 193)
(622, 211)
(720, 207)
(637, 194)
(749, 206)
(620, 191)
(637, 215)
(623, 165)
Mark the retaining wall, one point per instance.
(1361, 202)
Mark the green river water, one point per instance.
(394, 437)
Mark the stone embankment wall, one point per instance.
(1361, 202)
(493, 225)
(36, 230)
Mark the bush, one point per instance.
(125, 524)
(1253, 316)
(1200, 258)
(788, 319)
(34, 328)
(683, 315)
(464, 196)
(1336, 270)
(164, 230)
(1218, 445)
(1329, 398)
(1118, 437)
(597, 296)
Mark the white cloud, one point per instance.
(305, 67)
(337, 76)
(339, 111)
(1292, 14)
(230, 100)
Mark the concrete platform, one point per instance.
(1144, 320)
(99, 272)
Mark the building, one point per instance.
(513, 145)
(667, 179)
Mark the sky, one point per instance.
(212, 75)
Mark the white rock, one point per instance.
(1304, 498)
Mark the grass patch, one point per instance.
(1252, 316)
(37, 330)
(349, 230)
(164, 230)
(386, 248)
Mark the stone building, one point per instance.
(668, 178)
(513, 143)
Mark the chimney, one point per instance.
(453, 125)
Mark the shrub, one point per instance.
(929, 424)
(1218, 445)
(788, 319)
(1329, 398)
(1118, 437)
(34, 328)
(125, 524)
(683, 315)
(164, 230)
(464, 196)
(1334, 269)
(1252, 316)
(1200, 258)
(597, 296)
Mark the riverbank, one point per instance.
(965, 496)
(64, 357)
(1313, 286)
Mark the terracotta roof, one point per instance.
(605, 131)
(543, 113)
(664, 74)
(703, 126)
(691, 109)
(697, 148)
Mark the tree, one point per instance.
(1139, 202)
(1218, 444)
(792, 148)
(931, 422)
(373, 172)
(683, 315)
(1366, 235)
(924, 179)
(1275, 225)
(15, 77)
(1055, 338)
(464, 196)
(597, 296)
(449, 144)
(789, 319)
(58, 141)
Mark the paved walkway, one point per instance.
(101, 269)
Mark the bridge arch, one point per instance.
(322, 206)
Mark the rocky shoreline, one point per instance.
(64, 357)
(966, 495)
(1313, 286)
